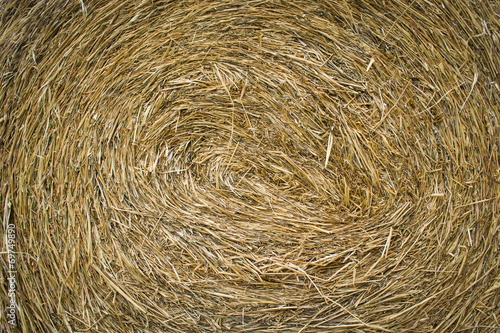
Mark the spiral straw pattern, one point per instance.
(256, 166)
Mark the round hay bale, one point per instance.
(257, 166)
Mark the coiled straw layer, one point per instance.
(257, 166)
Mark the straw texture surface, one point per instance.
(251, 166)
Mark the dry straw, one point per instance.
(251, 166)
